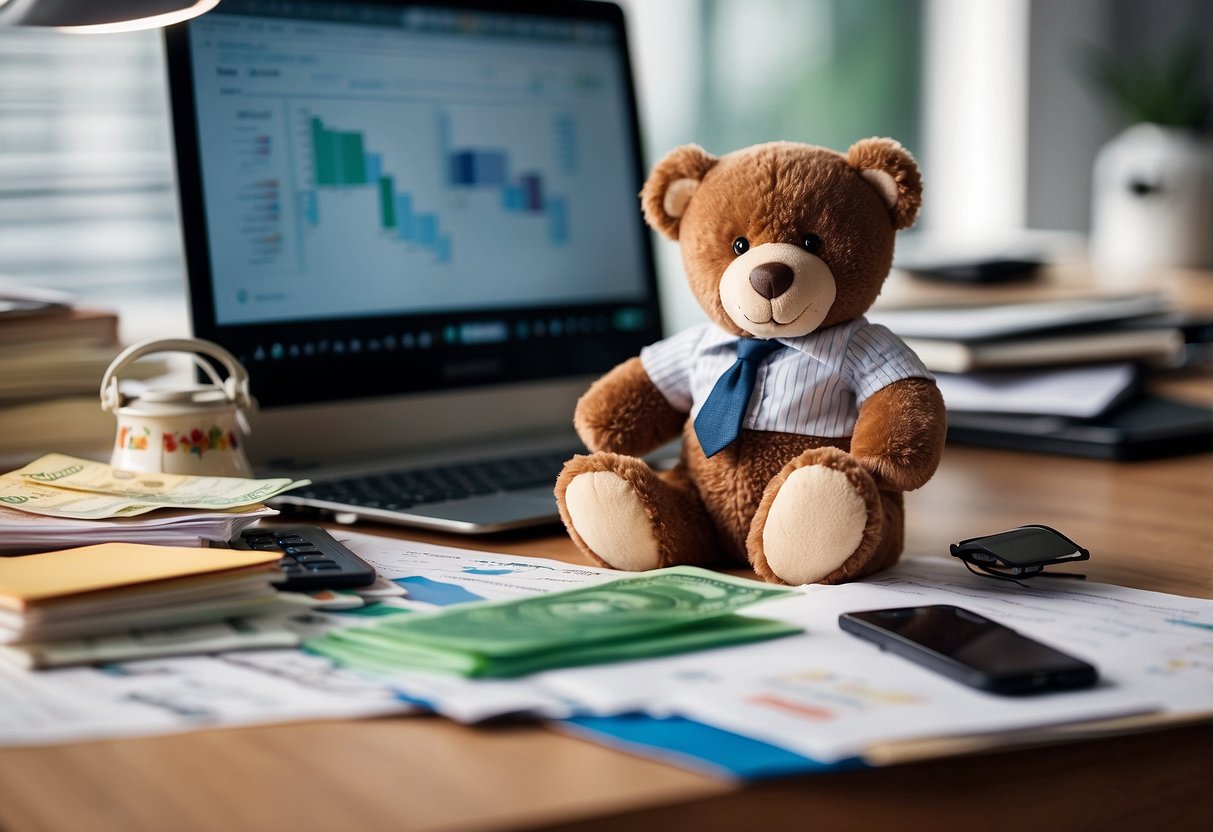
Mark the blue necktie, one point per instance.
(719, 421)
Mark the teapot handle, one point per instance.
(235, 386)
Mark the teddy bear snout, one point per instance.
(771, 279)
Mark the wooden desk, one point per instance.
(1148, 525)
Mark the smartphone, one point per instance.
(971, 649)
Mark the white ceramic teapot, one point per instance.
(188, 429)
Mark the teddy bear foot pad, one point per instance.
(611, 520)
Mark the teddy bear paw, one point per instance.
(611, 521)
(819, 515)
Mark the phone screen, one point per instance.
(992, 650)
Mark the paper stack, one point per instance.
(23, 532)
(60, 500)
(114, 587)
(1047, 333)
(1060, 376)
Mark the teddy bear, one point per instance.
(802, 424)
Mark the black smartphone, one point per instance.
(971, 649)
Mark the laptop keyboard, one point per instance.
(396, 491)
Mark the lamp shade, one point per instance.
(101, 15)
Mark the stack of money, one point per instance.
(657, 613)
(81, 493)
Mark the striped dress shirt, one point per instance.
(814, 386)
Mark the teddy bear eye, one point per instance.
(741, 245)
(811, 243)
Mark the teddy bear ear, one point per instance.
(670, 186)
(891, 170)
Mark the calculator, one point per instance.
(311, 558)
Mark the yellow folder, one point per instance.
(31, 579)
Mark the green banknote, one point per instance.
(657, 613)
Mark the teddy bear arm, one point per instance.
(624, 412)
(899, 435)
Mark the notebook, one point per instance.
(417, 226)
(110, 587)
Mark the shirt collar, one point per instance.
(825, 346)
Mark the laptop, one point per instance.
(417, 227)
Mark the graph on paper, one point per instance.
(363, 174)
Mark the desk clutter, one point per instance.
(148, 585)
(109, 588)
(812, 699)
(1064, 376)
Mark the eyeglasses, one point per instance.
(1021, 552)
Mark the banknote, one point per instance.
(656, 613)
(64, 486)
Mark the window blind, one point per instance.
(86, 194)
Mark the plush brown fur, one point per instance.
(706, 509)
(900, 433)
(623, 412)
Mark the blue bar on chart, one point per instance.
(374, 167)
(512, 198)
(558, 220)
(310, 207)
(532, 191)
(566, 144)
(478, 168)
(404, 217)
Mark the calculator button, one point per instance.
(308, 557)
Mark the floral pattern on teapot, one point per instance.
(199, 442)
(196, 441)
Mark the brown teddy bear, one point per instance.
(806, 422)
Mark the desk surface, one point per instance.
(1148, 524)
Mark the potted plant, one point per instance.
(1152, 197)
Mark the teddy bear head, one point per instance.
(781, 239)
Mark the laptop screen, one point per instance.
(382, 198)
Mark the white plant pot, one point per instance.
(1152, 200)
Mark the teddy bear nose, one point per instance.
(771, 279)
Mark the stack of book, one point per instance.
(54, 354)
(1062, 376)
(53, 597)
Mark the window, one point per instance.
(86, 196)
(827, 72)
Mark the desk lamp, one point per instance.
(100, 16)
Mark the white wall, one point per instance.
(975, 97)
(664, 36)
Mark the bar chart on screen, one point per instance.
(342, 159)
(415, 180)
